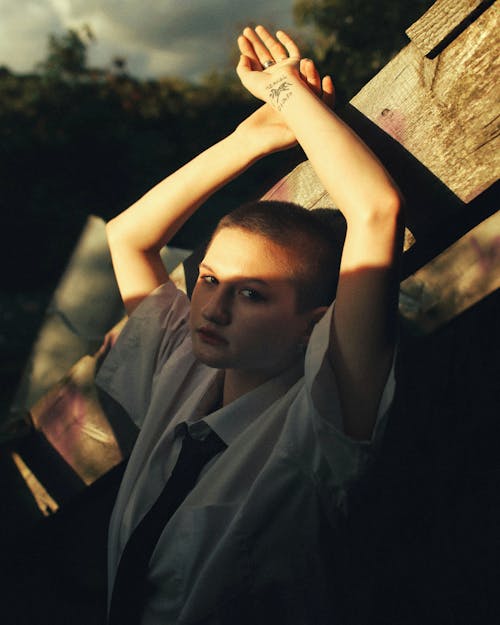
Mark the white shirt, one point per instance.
(247, 540)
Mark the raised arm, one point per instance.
(363, 327)
(137, 235)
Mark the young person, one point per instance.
(294, 387)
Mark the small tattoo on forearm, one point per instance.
(279, 92)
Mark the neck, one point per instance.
(238, 383)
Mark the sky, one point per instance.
(157, 37)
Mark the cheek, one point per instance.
(194, 311)
(278, 331)
(196, 300)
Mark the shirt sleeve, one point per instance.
(322, 385)
(154, 330)
(338, 460)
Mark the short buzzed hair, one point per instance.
(315, 238)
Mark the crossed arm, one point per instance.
(296, 108)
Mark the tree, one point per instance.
(67, 54)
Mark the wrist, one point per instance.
(246, 141)
(282, 87)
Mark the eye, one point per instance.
(210, 280)
(251, 294)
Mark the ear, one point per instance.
(313, 316)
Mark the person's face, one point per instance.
(243, 307)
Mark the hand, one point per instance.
(266, 127)
(264, 57)
(265, 132)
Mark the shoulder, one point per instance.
(154, 331)
(165, 302)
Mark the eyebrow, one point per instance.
(243, 278)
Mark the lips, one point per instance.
(210, 337)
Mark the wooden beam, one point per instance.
(461, 276)
(445, 111)
(442, 20)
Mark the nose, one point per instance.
(217, 309)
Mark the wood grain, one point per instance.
(439, 21)
(445, 111)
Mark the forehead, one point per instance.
(235, 252)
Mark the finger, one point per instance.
(289, 44)
(247, 48)
(261, 52)
(328, 87)
(277, 50)
(311, 75)
(303, 69)
(245, 65)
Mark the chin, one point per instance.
(210, 360)
(211, 363)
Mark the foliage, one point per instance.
(67, 54)
(75, 140)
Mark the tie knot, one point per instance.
(206, 446)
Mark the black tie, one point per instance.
(130, 587)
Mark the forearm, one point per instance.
(363, 328)
(154, 219)
(137, 235)
(356, 181)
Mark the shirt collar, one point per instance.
(229, 421)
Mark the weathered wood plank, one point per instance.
(439, 21)
(461, 276)
(301, 186)
(445, 111)
(45, 502)
(74, 423)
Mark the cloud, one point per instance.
(24, 28)
(157, 37)
(167, 23)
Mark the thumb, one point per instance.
(244, 66)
